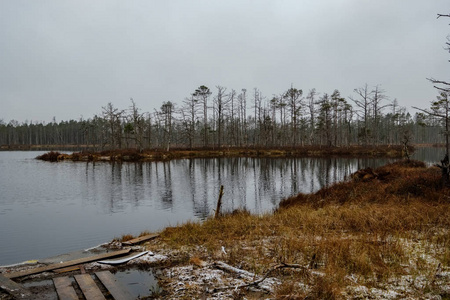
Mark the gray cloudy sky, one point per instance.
(69, 58)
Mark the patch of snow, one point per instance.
(150, 258)
(384, 294)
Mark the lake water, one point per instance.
(52, 208)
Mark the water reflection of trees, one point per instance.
(192, 185)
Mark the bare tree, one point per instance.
(294, 100)
(136, 124)
(202, 95)
(167, 109)
(363, 102)
(377, 107)
(442, 85)
(325, 117)
(311, 104)
(440, 109)
(113, 117)
(242, 98)
(220, 104)
(233, 125)
(257, 116)
(189, 116)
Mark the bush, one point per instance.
(49, 156)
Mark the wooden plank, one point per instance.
(122, 259)
(115, 287)
(66, 264)
(64, 288)
(68, 269)
(140, 239)
(14, 289)
(88, 287)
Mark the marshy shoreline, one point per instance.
(134, 155)
(381, 234)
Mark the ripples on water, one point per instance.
(52, 208)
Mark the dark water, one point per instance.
(51, 208)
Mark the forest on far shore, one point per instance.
(218, 118)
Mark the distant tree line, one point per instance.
(220, 118)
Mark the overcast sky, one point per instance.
(67, 59)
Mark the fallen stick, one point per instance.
(219, 202)
(226, 267)
(246, 275)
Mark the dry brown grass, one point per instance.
(181, 153)
(125, 237)
(369, 229)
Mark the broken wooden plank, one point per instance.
(115, 287)
(68, 269)
(122, 259)
(66, 264)
(140, 239)
(88, 287)
(71, 269)
(14, 289)
(64, 288)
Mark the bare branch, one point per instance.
(440, 15)
(445, 16)
(438, 81)
(429, 112)
(442, 89)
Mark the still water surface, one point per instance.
(51, 208)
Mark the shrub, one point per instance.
(49, 156)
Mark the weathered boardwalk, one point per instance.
(14, 289)
(140, 239)
(66, 264)
(65, 287)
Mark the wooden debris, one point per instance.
(14, 289)
(122, 260)
(258, 282)
(226, 267)
(219, 202)
(68, 269)
(140, 239)
(64, 288)
(88, 287)
(115, 288)
(245, 275)
(66, 264)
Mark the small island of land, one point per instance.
(393, 151)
